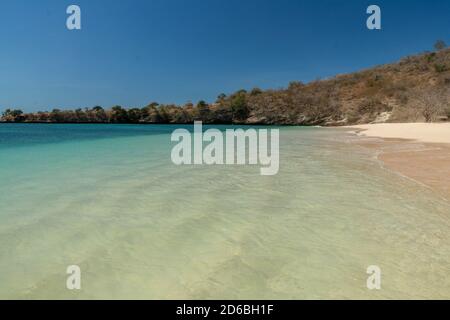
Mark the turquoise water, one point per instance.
(108, 198)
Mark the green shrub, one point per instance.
(440, 45)
(239, 107)
(431, 56)
(439, 68)
(256, 91)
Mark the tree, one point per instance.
(134, 115)
(432, 104)
(15, 115)
(98, 109)
(221, 97)
(164, 113)
(56, 115)
(203, 112)
(119, 115)
(255, 91)
(295, 85)
(80, 116)
(239, 107)
(440, 45)
(201, 104)
(153, 105)
(188, 105)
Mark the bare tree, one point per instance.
(433, 104)
(440, 45)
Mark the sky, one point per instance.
(133, 52)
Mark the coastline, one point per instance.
(421, 132)
(419, 151)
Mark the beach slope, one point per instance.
(423, 132)
(420, 151)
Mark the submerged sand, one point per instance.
(420, 151)
(140, 227)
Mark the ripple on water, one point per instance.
(140, 227)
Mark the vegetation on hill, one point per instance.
(415, 89)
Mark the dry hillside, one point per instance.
(415, 89)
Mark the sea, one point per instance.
(108, 199)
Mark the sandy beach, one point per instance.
(420, 151)
(423, 132)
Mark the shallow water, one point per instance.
(109, 199)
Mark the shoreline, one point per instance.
(420, 132)
(418, 151)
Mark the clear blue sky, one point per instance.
(137, 51)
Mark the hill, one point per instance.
(417, 88)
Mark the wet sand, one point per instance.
(419, 158)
